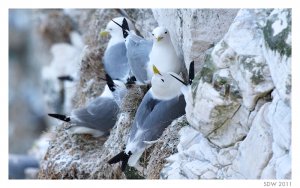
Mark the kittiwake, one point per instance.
(115, 59)
(100, 115)
(160, 106)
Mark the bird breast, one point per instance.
(165, 59)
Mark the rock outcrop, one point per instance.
(236, 106)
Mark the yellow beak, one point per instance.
(104, 33)
(159, 39)
(155, 70)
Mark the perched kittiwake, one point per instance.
(115, 59)
(100, 115)
(160, 106)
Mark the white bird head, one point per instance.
(160, 34)
(114, 89)
(166, 86)
(114, 30)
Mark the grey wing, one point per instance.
(162, 116)
(100, 114)
(116, 63)
(138, 57)
(153, 116)
(144, 109)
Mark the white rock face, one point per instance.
(233, 130)
(191, 162)
(241, 52)
(279, 117)
(239, 105)
(213, 108)
(255, 151)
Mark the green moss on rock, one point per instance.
(254, 65)
(205, 74)
(208, 70)
(132, 173)
(221, 113)
(278, 42)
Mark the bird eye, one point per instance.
(166, 32)
(162, 80)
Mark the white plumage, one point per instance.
(163, 54)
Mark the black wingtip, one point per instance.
(110, 82)
(124, 26)
(191, 72)
(65, 78)
(178, 79)
(60, 117)
(122, 156)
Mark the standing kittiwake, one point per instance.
(100, 115)
(160, 106)
(115, 59)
